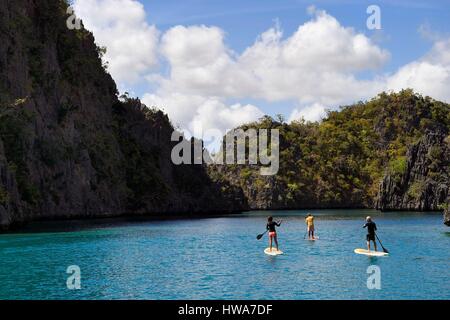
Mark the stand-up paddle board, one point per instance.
(274, 252)
(371, 253)
(315, 238)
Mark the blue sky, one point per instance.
(155, 50)
(245, 20)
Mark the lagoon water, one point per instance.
(220, 258)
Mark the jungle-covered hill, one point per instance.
(392, 152)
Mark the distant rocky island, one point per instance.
(71, 147)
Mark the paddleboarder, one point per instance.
(371, 228)
(271, 227)
(310, 226)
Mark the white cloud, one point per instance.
(308, 66)
(121, 26)
(201, 63)
(203, 74)
(189, 111)
(315, 112)
(215, 114)
(429, 75)
(324, 44)
(440, 53)
(317, 63)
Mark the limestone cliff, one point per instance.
(425, 183)
(69, 147)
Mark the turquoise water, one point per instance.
(220, 258)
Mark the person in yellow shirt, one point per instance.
(310, 225)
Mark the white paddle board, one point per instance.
(273, 252)
(371, 253)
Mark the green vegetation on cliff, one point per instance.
(341, 161)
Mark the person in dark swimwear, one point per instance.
(271, 226)
(371, 228)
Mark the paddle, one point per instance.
(384, 249)
(261, 235)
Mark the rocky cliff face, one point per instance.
(68, 146)
(258, 194)
(272, 193)
(425, 183)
